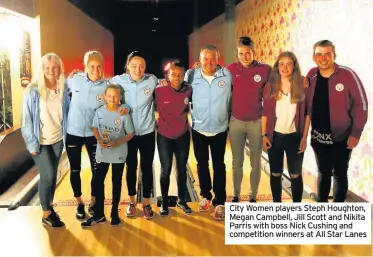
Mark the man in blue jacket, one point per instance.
(210, 105)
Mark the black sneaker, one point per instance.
(252, 200)
(53, 220)
(214, 202)
(115, 220)
(148, 212)
(164, 210)
(80, 213)
(93, 220)
(235, 199)
(184, 206)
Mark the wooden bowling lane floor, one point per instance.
(22, 234)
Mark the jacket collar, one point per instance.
(316, 70)
(220, 72)
(253, 64)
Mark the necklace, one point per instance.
(53, 91)
(285, 94)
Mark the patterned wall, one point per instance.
(295, 25)
(270, 24)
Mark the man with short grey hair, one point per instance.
(209, 111)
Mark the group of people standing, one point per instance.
(271, 108)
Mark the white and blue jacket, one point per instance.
(30, 117)
(210, 102)
(140, 98)
(87, 97)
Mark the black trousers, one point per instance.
(99, 185)
(146, 145)
(167, 148)
(332, 160)
(217, 144)
(288, 144)
(74, 153)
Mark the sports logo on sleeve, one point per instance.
(186, 100)
(221, 83)
(99, 97)
(339, 87)
(257, 78)
(117, 122)
(147, 91)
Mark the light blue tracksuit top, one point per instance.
(30, 118)
(87, 97)
(139, 96)
(210, 103)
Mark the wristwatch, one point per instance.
(264, 135)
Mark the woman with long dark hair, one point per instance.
(138, 94)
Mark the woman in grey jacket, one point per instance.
(43, 125)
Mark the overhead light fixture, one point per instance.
(153, 30)
(155, 18)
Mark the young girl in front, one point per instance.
(112, 132)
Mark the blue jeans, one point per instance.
(47, 163)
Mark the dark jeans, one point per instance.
(47, 163)
(332, 160)
(74, 152)
(289, 144)
(166, 149)
(99, 180)
(146, 145)
(217, 145)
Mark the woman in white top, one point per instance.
(285, 124)
(43, 125)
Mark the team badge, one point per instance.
(147, 91)
(221, 83)
(117, 122)
(186, 100)
(339, 87)
(257, 78)
(99, 97)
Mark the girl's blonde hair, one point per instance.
(39, 80)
